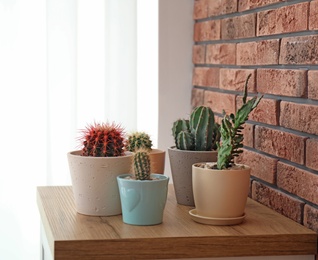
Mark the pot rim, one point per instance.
(244, 167)
(75, 154)
(174, 148)
(160, 176)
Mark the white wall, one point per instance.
(175, 67)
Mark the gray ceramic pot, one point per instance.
(181, 162)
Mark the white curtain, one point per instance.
(64, 64)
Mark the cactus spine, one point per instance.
(231, 131)
(141, 164)
(200, 133)
(138, 140)
(102, 140)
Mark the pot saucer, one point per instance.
(215, 221)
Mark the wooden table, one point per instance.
(74, 236)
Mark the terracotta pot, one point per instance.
(221, 193)
(181, 162)
(157, 159)
(94, 182)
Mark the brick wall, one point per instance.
(277, 42)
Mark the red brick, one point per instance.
(301, 117)
(313, 15)
(207, 31)
(263, 167)
(215, 7)
(282, 144)
(234, 79)
(278, 201)
(200, 9)
(205, 77)
(219, 7)
(251, 4)
(313, 84)
(248, 133)
(197, 97)
(282, 82)
(258, 53)
(299, 50)
(311, 217)
(297, 181)
(238, 27)
(212, 77)
(266, 22)
(199, 76)
(221, 53)
(311, 154)
(283, 20)
(219, 101)
(198, 54)
(266, 111)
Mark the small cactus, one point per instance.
(102, 140)
(141, 164)
(138, 140)
(200, 133)
(231, 131)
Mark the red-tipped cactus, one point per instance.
(103, 140)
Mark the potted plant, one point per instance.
(143, 195)
(221, 188)
(141, 140)
(195, 141)
(95, 167)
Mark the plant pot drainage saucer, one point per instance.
(215, 221)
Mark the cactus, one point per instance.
(141, 164)
(200, 133)
(102, 140)
(185, 140)
(231, 131)
(178, 126)
(138, 140)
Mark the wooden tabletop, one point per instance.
(75, 236)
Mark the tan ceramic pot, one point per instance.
(157, 159)
(181, 162)
(221, 193)
(94, 182)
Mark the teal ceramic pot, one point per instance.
(143, 202)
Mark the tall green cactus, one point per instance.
(141, 164)
(231, 131)
(138, 140)
(202, 126)
(200, 133)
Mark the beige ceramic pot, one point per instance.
(221, 193)
(181, 162)
(157, 159)
(94, 182)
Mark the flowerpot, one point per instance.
(94, 182)
(221, 194)
(143, 202)
(157, 158)
(181, 162)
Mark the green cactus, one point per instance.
(141, 164)
(202, 127)
(200, 133)
(178, 126)
(102, 140)
(185, 140)
(231, 131)
(138, 140)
